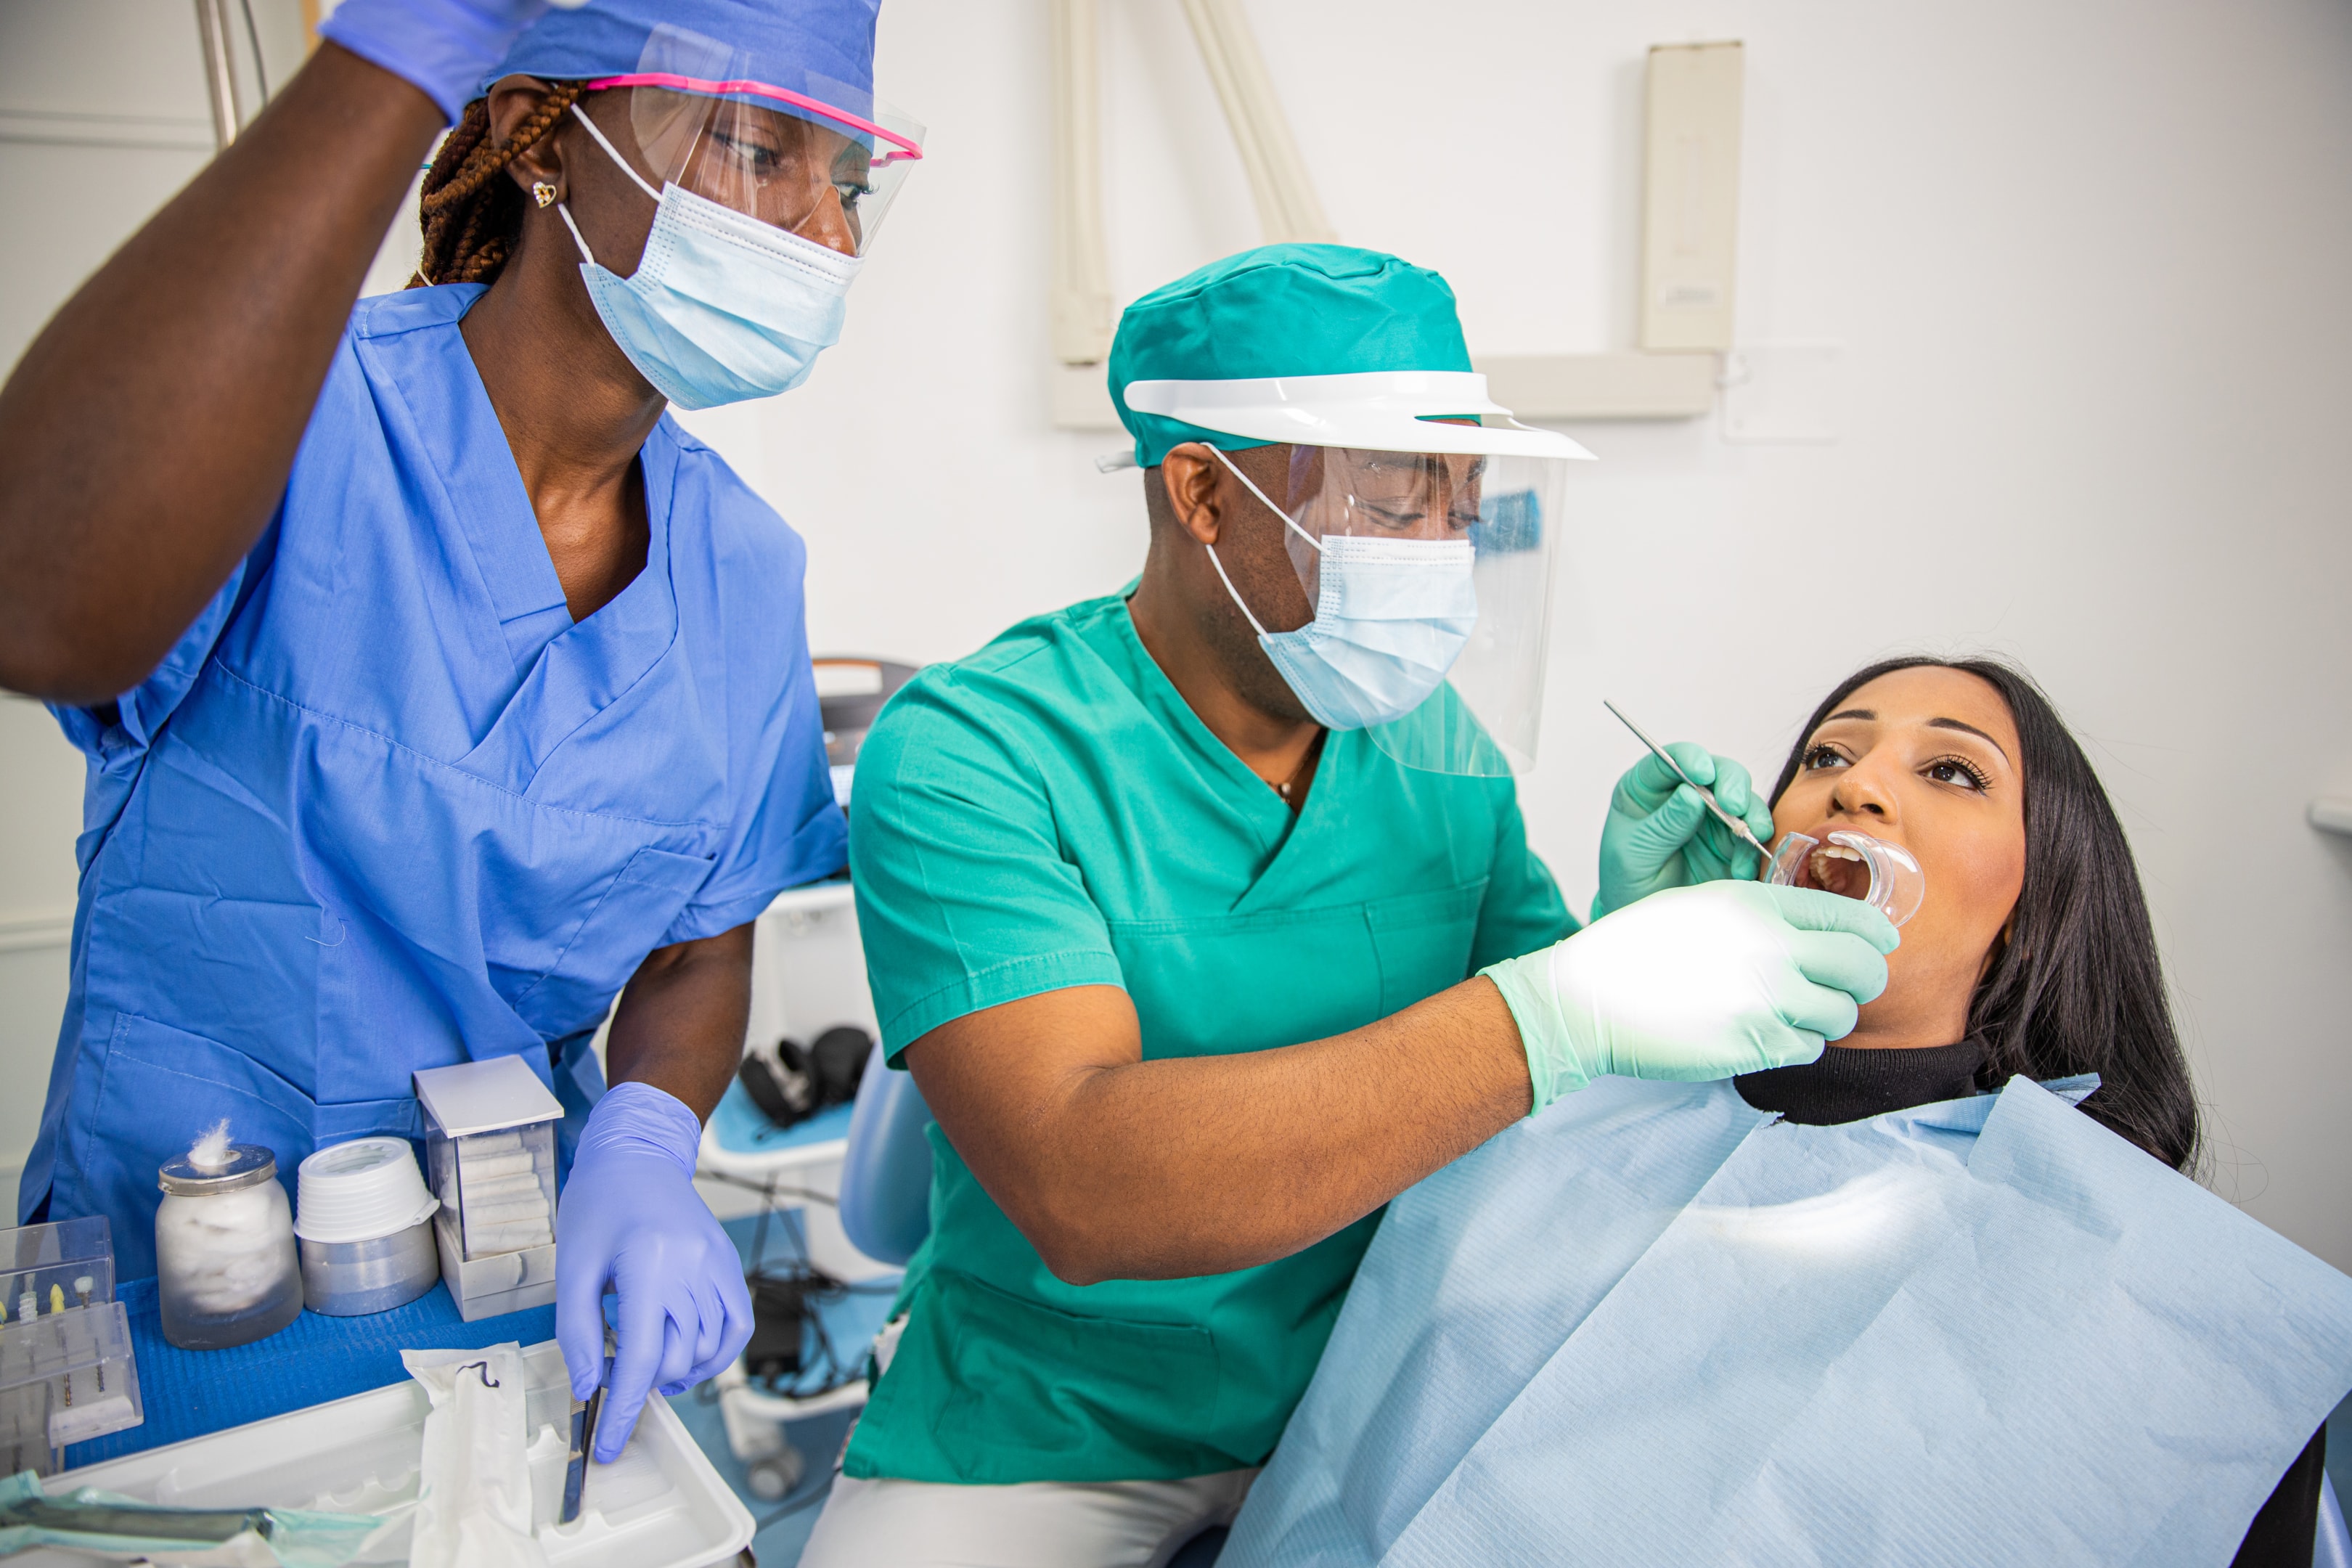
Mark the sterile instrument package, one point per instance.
(473, 1499)
(1654, 1325)
(90, 1524)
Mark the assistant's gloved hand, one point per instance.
(1660, 834)
(630, 1217)
(443, 47)
(1695, 983)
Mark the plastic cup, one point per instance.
(362, 1190)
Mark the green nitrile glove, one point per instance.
(1694, 983)
(1660, 834)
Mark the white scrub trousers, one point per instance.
(884, 1523)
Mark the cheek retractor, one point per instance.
(1882, 875)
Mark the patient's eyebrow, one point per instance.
(1970, 729)
(1863, 713)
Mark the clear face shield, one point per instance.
(1427, 567)
(770, 139)
(1469, 618)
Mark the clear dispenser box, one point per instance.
(67, 1372)
(489, 1152)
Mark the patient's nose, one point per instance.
(1866, 791)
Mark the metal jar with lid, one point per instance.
(226, 1270)
(365, 1227)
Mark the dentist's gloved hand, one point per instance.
(1660, 834)
(1695, 983)
(629, 1216)
(445, 48)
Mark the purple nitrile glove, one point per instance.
(444, 46)
(630, 1218)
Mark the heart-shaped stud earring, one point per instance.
(542, 193)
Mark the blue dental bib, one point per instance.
(1654, 1325)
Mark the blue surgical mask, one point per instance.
(1391, 618)
(722, 307)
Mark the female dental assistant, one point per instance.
(428, 707)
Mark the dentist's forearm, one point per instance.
(1118, 1168)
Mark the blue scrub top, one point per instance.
(385, 806)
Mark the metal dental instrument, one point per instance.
(575, 1464)
(1739, 829)
(582, 1445)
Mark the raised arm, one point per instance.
(147, 434)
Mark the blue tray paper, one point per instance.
(1654, 1326)
(188, 1394)
(743, 1128)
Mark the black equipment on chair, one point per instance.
(790, 1082)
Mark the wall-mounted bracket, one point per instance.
(1690, 214)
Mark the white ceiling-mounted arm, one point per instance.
(220, 71)
(1082, 313)
(1287, 207)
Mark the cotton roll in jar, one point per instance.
(226, 1269)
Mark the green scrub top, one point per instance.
(1049, 813)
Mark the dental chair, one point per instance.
(886, 1174)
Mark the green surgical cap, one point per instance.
(1280, 309)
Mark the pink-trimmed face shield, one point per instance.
(818, 159)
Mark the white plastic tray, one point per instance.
(659, 1505)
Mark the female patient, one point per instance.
(2035, 956)
(2031, 955)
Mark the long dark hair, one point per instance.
(2077, 987)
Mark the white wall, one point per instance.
(2086, 264)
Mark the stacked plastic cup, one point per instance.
(365, 1222)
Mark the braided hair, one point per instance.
(472, 214)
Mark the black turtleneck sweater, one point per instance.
(1850, 1085)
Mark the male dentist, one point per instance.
(1195, 912)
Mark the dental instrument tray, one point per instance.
(659, 1505)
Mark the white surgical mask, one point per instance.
(722, 307)
(1391, 618)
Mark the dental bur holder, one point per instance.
(67, 1372)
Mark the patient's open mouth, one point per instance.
(1837, 869)
(1884, 875)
